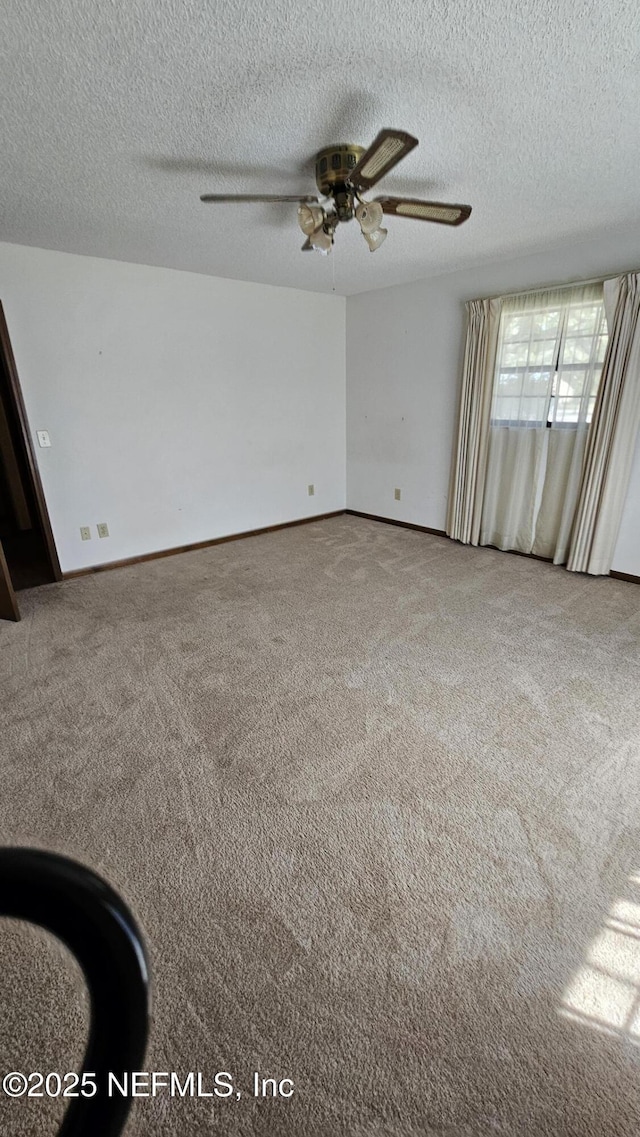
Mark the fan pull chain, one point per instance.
(333, 271)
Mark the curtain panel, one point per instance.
(548, 364)
(610, 445)
(466, 489)
(548, 481)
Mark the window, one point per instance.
(550, 354)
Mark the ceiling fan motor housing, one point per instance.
(334, 165)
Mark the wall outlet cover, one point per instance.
(103, 529)
(311, 489)
(43, 438)
(397, 494)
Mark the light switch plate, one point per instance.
(43, 437)
(103, 529)
(397, 494)
(85, 532)
(311, 489)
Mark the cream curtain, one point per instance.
(468, 471)
(533, 480)
(610, 448)
(554, 523)
(533, 471)
(516, 458)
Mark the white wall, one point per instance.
(404, 361)
(184, 407)
(180, 407)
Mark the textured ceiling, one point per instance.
(119, 113)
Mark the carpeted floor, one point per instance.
(375, 799)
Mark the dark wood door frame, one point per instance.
(8, 603)
(12, 392)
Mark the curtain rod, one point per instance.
(552, 287)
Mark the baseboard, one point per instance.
(198, 545)
(285, 525)
(392, 521)
(441, 533)
(625, 576)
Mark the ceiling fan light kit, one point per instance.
(310, 218)
(342, 173)
(375, 238)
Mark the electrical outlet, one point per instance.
(311, 489)
(43, 438)
(397, 494)
(85, 532)
(103, 529)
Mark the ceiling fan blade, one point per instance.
(384, 153)
(438, 211)
(257, 197)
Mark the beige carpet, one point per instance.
(375, 798)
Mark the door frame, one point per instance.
(13, 393)
(8, 601)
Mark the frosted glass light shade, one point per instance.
(375, 239)
(369, 214)
(310, 218)
(321, 241)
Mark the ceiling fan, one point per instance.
(343, 173)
